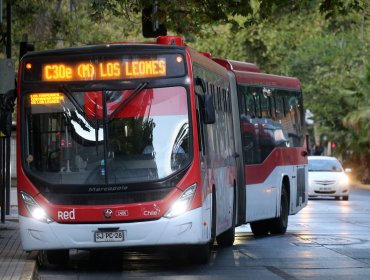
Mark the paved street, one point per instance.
(329, 239)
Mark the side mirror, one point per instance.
(348, 170)
(200, 82)
(206, 103)
(209, 116)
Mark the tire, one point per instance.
(345, 197)
(57, 257)
(227, 238)
(279, 225)
(260, 228)
(200, 254)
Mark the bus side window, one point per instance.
(248, 122)
(265, 99)
(279, 106)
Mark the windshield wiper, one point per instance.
(135, 92)
(65, 89)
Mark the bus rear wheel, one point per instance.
(260, 227)
(280, 224)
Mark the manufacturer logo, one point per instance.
(108, 189)
(67, 215)
(108, 213)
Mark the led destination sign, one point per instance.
(105, 70)
(46, 98)
(95, 67)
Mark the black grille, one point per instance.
(325, 192)
(301, 186)
(107, 198)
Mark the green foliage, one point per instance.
(64, 23)
(328, 55)
(325, 43)
(357, 121)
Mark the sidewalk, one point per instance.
(358, 185)
(15, 264)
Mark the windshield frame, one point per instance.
(104, 86)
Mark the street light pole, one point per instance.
(5, 141)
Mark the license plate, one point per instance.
(109, 236)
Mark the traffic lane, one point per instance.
(327, 215)
(274, 257)
(328, 239)
(322, 214)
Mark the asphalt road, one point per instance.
(329, 239)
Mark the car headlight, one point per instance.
(345, 180)
(181, 205)
(34, 209)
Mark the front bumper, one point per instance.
(189, 228)
(329, 191)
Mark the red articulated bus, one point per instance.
(270, 139)
(153, 144)
(121, 145)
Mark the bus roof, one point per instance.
(251, 78)
(234, 65)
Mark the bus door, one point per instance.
(239, 157)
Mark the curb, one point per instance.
(30, 268)
(359, 185)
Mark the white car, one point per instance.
(327, 178)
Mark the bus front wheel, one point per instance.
(227, 238)
(57, 257)
(200, 254)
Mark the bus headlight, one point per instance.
(181, 205)
(35, 210)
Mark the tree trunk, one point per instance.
(365, 162)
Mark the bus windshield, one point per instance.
(88, 137)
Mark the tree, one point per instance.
(64, 23)
(358, 121)
(322, 42)
(189, 17)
